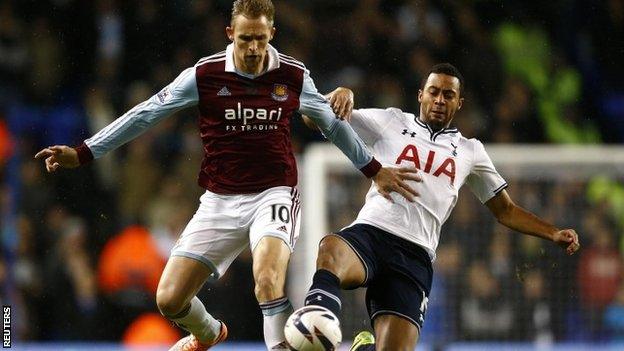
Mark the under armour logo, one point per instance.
(412, 134)
(454, 149)
(318, 298)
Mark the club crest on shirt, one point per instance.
(280, 92)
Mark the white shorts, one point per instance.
(224, 225)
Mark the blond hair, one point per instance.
(254, 9)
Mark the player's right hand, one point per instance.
(567, 239)
(58, 156)
(342, 101)
(390, 179)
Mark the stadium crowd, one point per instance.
(85, 248)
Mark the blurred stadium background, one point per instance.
(82, 250)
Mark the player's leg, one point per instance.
(270, 262)
(392, 333)
(176, 298)
(345, 261)
(337, 267)
(201, 253)
(273, 233)
(397, 298)
(395, 333)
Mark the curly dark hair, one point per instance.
(449, 70)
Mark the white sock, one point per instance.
(199, 322)
(275, 313)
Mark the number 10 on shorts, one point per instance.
(280, 211)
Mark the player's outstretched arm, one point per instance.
(519, 219)
(181, 93)
(58, 156)
(341, 101)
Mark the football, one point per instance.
(313, 328)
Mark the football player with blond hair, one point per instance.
(246, 97)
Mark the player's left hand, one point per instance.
(567, 239)
(342, 101)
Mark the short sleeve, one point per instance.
(370, 123)
(484, 180)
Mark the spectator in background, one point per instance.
(599, 275)
(109, 42)
(129, 268)
(4, 284)
(27, 274)
(150, 330)
(168, 213)
(140, 175)
(13, 52)
(443, 303)
(613, 318)
(515, 119)
(6, 143)
(100, 112)
(421, 21)
(46, 55)
(500, 251)
(69, 280)
(35, 197)
(484, 312)
(533, 310)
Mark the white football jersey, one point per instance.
(446, 161)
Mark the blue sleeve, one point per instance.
(181, 93)
(315, 106)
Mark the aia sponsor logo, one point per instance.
(446, 168)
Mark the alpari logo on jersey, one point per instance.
(410, 154)
(247, 114)
(280, 92)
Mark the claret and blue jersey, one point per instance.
(244, 122)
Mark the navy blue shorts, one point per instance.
(398, 272)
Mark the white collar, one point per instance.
(230, 67)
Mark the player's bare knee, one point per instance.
(329, 254)
(169, 303)
(326, 260)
